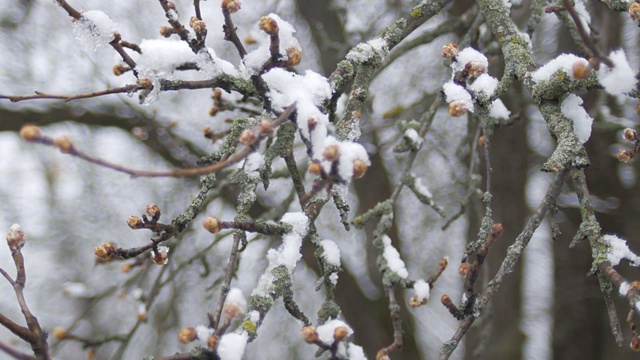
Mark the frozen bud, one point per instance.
(171, 5)
(634, 10)
(64, 144)
(446, 300)
(247, 137)
(235, 304)
(443, 263)
(415, 301)
(266, 128)
(144, 83)
(331, 152)
(312, 123)
(314, 168)
(457, 108)
(340, 333)
(625, 155)
(231, 5)
(15, 238)
(135, 222)
(309, 334)
(166, 31)
(197, 25)
(106, 251)
(635, 285)
(59, 333)
(630, 134)
(30, 133)
(249, 40)
(481, 140)
(268, 25)
(294, 55)
(496, 230)
(580, 70)
(474, 69)
(187, 335)
(212, 342)
(119, 69)
(161, 256)
(635, 340)
(450, 51)
(464, 269)
(359, 168)
(212, 224)
(153, 210)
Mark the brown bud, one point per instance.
(580, 70)
(474, 68)
(91, 354)
(213, 111)
(268, 25)
(635, 285)
(212, 341)
(311, 124)
(634, 10)
(450, 51)
(635, 340)
(443, 263)
(446, 300)
(340, 333)
(106, 251)
(135, 222)
(630, 134)
(266, 128)
(247, 137)
(217, 93)
(30, 133)
(231, 5)
(383, 354)
(481, 140)
(15, 238)
(496, 230)
(141, 317)
(187, 335)
(212, 224)
(309, 334)
(145, 83)
(160, 257)
(166, 31)
(249, 40)
(64, 144)
(314, 168)
(153, 210)
(457, 108)
(171, 5)
(331, 152)
(415, 302)
(59, 333)
(359, 168)
(119, 69)
(464, 269)
(294, 55)
(197, 25)
(625, 155)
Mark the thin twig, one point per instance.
(230, 32)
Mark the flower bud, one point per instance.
(312, 123)
(198, 26)
(119, 69)
(212, 342)
(635, 285)
(635, 340)
(187, 335)
(629, 134)
(64, 144)
(415, 302)
(450, 51)
(235, 304)
(160, 257)
(496, 230)
(266, 128)
(446, 300)
(481, 140)
(294, 55)
(443, 263)
(231, 5)
(247, 137)
(212, 224)
(166, 31)
(106, 251)
(457, 108)
(268, 25)
(383, 355)
(314, 168)
(474, 69)
(91, 354)
(359, 168)
(309, 334)
(15, 238)
(464, 269)
(59, 333)
(340, 333)
(331, 153)
(134, 222)
(30, 133)
(153, 210)
(625, 155)
(249, 40)
(634, 10)
(580, 70)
